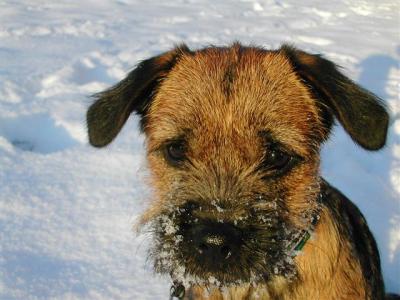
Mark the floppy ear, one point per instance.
(360, 112)
(106, 116)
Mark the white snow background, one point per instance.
(66, 209)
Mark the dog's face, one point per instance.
(233, 149)
(233, 139)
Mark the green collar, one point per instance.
(177, 291)
(300, 239)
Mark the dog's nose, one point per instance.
(216, 241)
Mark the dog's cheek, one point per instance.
(161, 178)
(302, 191)
(167, 181)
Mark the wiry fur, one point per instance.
(227, 105)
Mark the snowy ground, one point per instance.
(66, 210)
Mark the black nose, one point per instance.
(216, 241)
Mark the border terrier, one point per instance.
(233, 138)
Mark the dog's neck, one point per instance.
(326, 264)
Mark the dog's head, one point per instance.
(233, 139)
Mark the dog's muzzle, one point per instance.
(200, 244)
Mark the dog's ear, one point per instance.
(106, 116)
(360, 112)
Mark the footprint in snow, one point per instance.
(36, 133)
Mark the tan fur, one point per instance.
(328, 270)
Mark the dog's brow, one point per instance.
(267, 136)
(181, 135)
(270, 140)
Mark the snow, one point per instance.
(67, 210)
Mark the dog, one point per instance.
(233, 137)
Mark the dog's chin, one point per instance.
(224, 276)
(191, 269)
(207, 275)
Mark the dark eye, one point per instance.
(175, 152)
(277, 161)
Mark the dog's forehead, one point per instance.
(237, 91)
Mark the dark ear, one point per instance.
(361, 113)
(106, 116)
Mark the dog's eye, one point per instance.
(277, 161)
(175, 152)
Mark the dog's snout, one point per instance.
(216, 241)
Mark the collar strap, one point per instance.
(177, 291)
(300, 239)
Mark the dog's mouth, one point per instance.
(210, 251)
